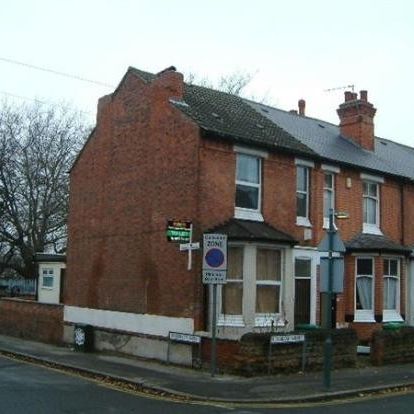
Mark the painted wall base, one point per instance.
(141, 346)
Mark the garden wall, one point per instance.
(393, 346)
(250, 355)
(31, 320)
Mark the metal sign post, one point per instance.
(190, 246)
(330, 273)
(213, 332)
(214, 273)
(182, 231)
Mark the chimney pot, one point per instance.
(364, 96)
(301, 105)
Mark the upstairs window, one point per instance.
(302, 195)
(370, 203)
(248, 182)
(328, 196)
(371, 207)
(248, 187)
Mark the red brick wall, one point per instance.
(365, 331)
(218, 187)
(31, 320)
(139, 168)
(408, 206)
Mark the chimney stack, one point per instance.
(357, 119)
(172, 82)
(301, 105)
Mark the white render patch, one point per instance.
(180, 103)
(304, 163)
(373, 178)
(130, 322)
(251, 151)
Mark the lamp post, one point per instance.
(334, 245)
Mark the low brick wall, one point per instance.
(31, 320)
(250, 355)
(392, 347)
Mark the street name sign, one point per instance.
(286, 339)
(187, 338)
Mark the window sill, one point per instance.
(246, 214)
(364, 317)
(269, 320)
(371, 229)
(231, 320)
(46, 288)
(391, 316)
(303, 221)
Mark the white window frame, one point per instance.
(365, 315)
(332, 191)
(249, 318)
(247, 213)
(371, 228)
(266, 319)
(232, 320)
(304, 220)
(48, 273)
(393, 315)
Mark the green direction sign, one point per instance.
(178, 231)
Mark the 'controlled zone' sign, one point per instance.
(214, 258)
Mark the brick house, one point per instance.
(164, 149)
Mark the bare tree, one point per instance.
(38, 144)
(234, 83)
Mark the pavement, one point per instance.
(199, 385)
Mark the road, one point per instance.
(31, 389)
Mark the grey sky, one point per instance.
(296, 49)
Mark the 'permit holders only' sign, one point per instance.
(214, 258)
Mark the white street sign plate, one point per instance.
(181, 337)
(189, 246)
(286, 339)
(214, 276)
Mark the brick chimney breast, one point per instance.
(357, 119)
(172, 82)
